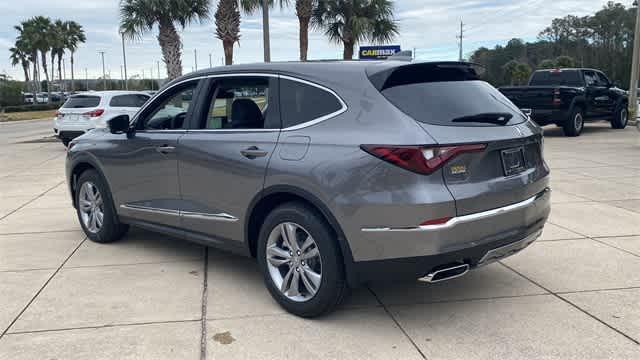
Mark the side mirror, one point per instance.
(119, 124)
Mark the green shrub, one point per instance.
(10, 92)
(32, 107)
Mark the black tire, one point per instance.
(620, 117)
(333, 286)
(574, 124)
(111, 229)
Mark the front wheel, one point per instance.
(300, 260)
(574, 124)
(95, 209)
(620, 117)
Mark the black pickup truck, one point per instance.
(568, 97)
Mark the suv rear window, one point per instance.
(82, 101)
(442, 102)
(556, 78)
(301, 103)
(131, 100)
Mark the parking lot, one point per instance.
(574, 294)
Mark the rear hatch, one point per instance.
(454, 107)
(79, 109)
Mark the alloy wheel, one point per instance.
(294, 261)
(91, 207)
(624, 117)
(578, 122)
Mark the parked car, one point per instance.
(90, 110)
(331, 174)
(568, 97)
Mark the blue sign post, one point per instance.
(377, 52)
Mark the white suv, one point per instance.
(90, 110)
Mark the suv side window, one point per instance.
(602, 80)
(590, 78)
(301, 103)
(241, 103)
(130, 100)
(170, 111)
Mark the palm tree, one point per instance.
(139, 16)
(26, 40)
(58, 41)
(74, 37)
(37, 30)
(353, 21)
(227, 19)
(304, 11)
(20, 56)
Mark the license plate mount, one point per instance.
(513, 161)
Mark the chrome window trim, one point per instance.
(461, 219)
(190, 214)
(311, 122)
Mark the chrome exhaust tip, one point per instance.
(446, 273)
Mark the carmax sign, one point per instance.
(377, 52)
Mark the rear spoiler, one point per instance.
(394, 73)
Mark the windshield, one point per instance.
(556, 78)
(455, 103)
(82, 101)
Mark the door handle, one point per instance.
(253, 152)
(165, 149)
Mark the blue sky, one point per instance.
(428, 25)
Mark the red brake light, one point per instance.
(418, 158)
(94, 113)
(439, 221)
(556, 97)
(59, 114)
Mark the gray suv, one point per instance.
(330, 174)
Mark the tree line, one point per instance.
(603, 40)
(40, 36)
(346, 22)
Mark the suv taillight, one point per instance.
(418, 158)
(94, 113)
(59, 114)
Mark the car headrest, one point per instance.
(245, 114)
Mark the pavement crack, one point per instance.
(203, 338)
(396, 322)
(567, 301)
(42, 288)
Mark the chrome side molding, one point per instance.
(188, 214)
(464, 218)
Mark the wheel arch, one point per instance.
(274, 196)
(79, 166)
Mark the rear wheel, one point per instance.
(301, 261)
(574, 124)
(95, 209)
(620, 117)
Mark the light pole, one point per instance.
(104, 78)
(210, 64)
(86, 78)
(195, 59)
(633, 84)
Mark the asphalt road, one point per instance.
(18, 131)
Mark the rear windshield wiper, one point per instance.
(491, 118)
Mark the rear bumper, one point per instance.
(412, 252)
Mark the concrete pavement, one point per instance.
(574, 294)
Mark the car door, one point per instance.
(223, 158)
(608, 98)
(596, 93)
(144, 165)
